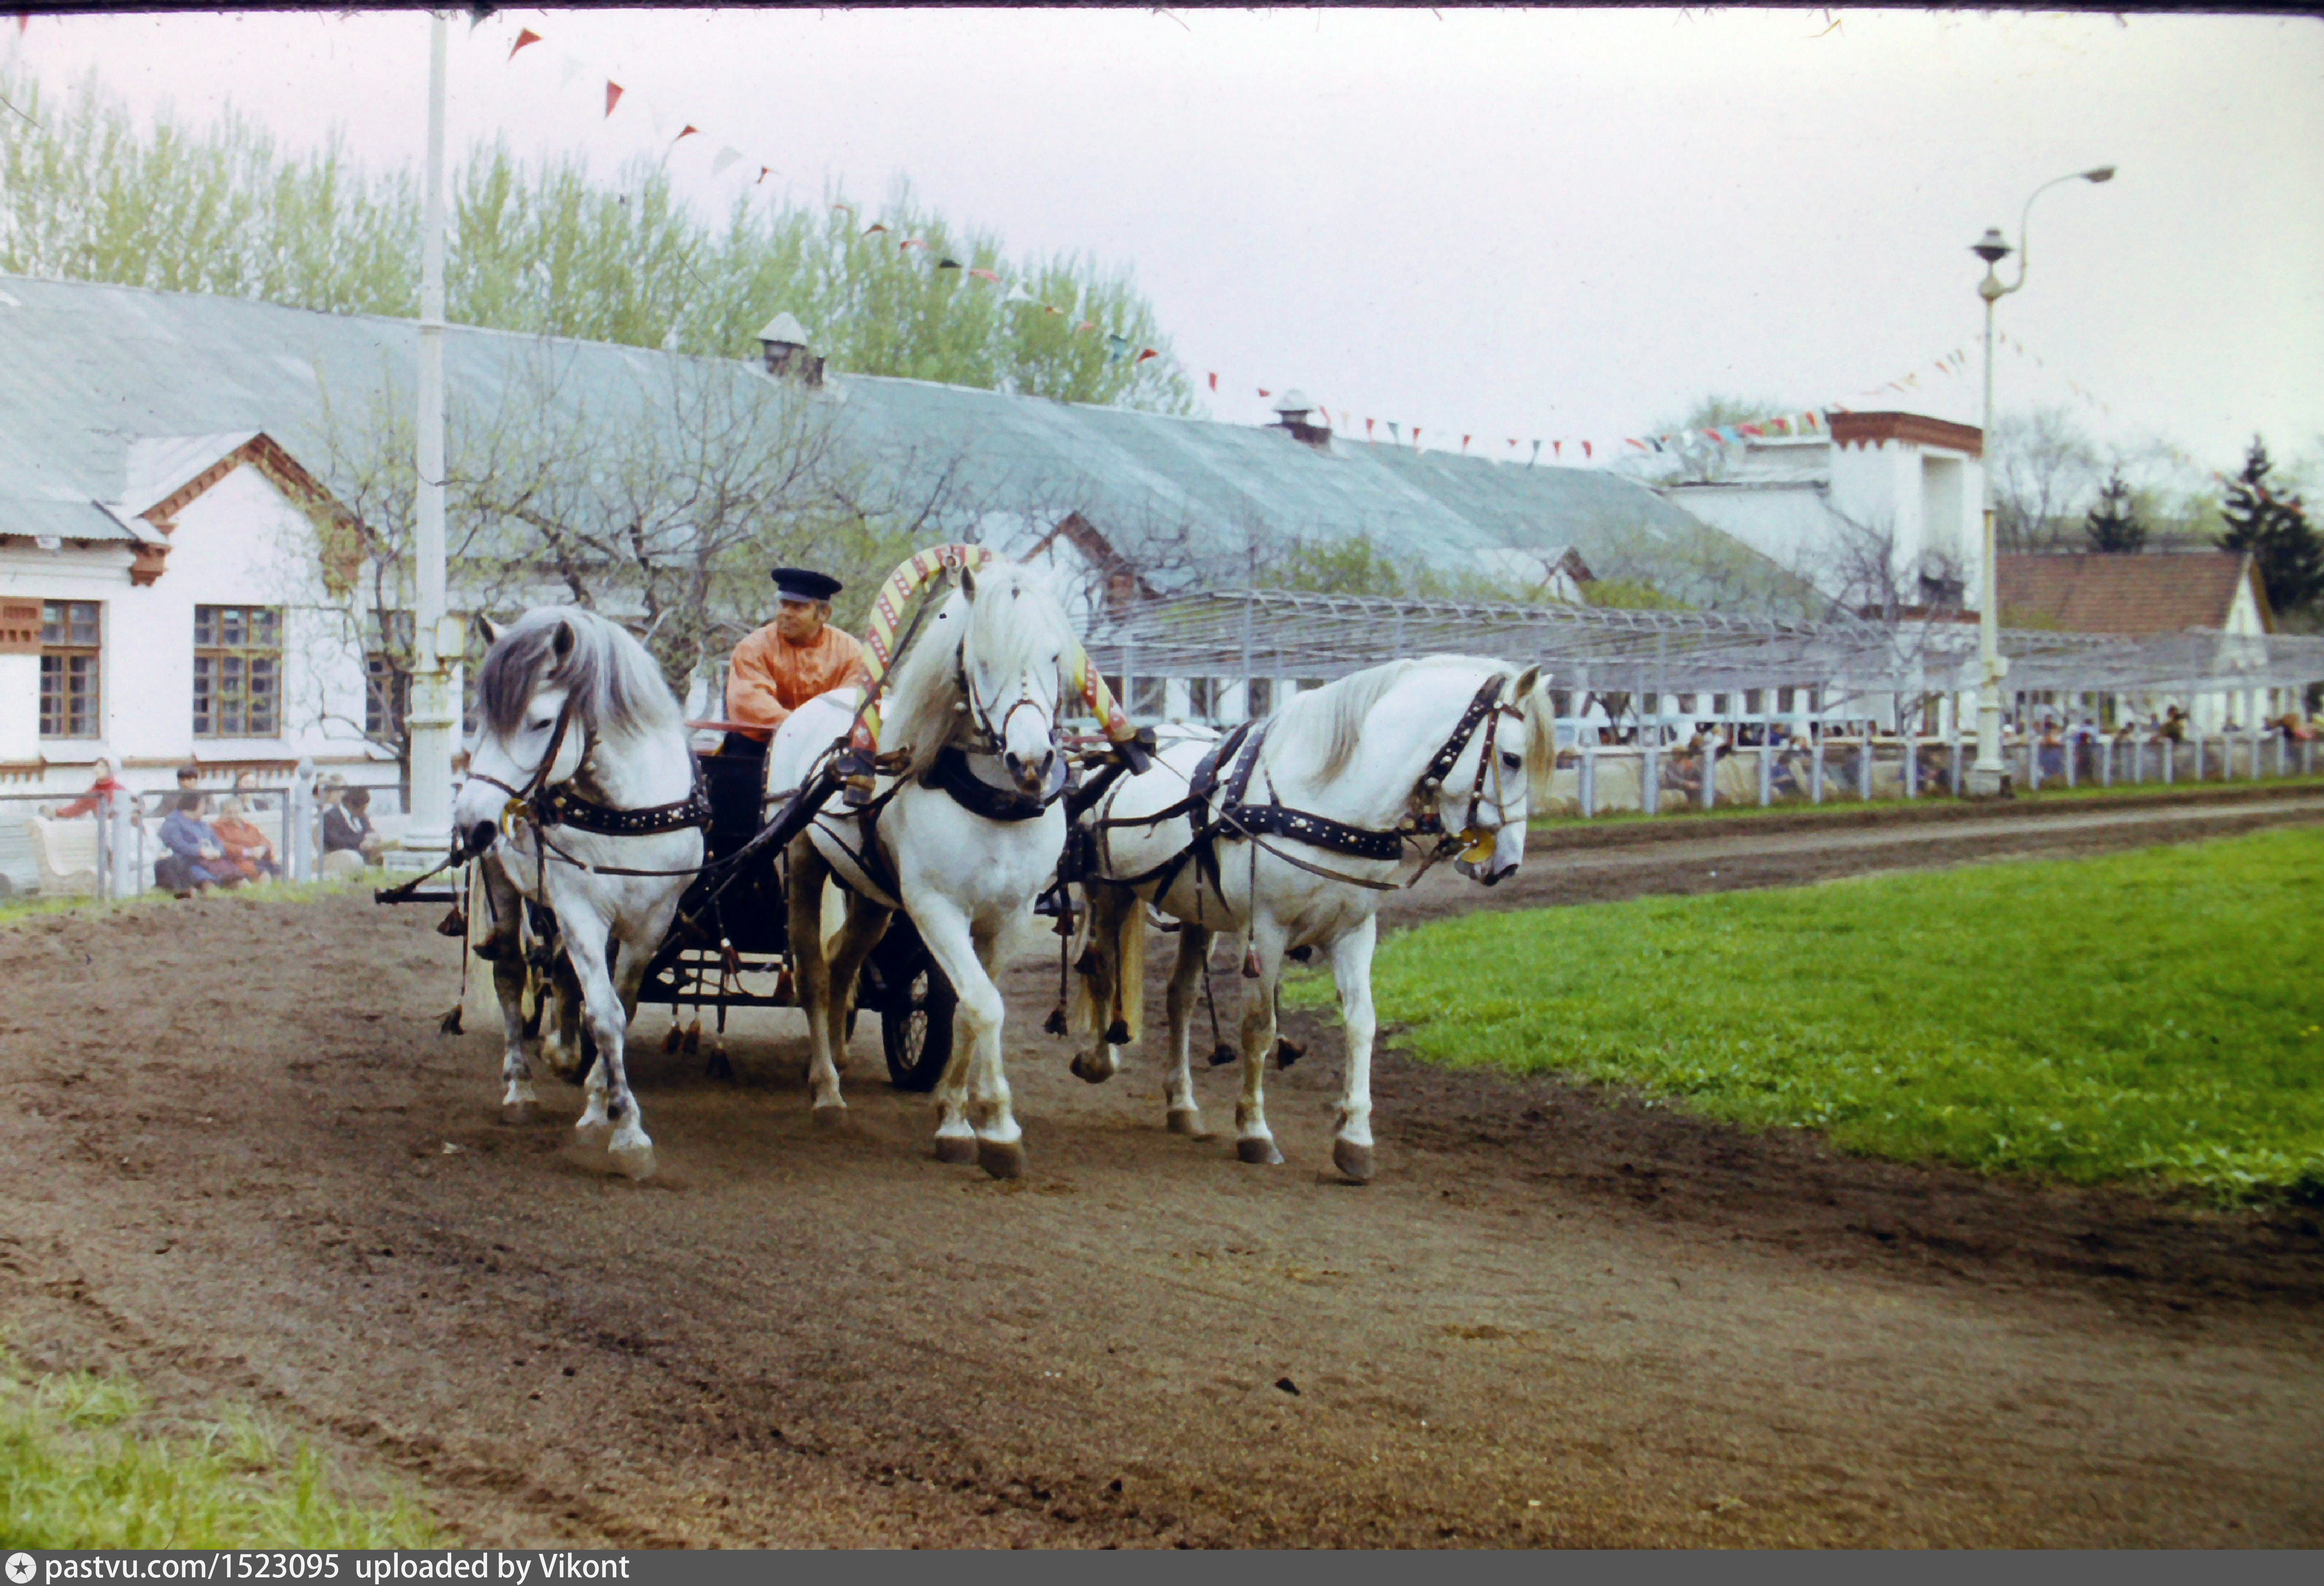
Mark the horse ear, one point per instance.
(562, 645)
(1528, 681)
(968, 582)
(492, 629)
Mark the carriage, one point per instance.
(731, 945)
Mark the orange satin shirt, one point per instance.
(770, 677)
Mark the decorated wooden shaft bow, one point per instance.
(895, 598)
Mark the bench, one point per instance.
(66, 852)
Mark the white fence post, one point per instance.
(298, 820)
(1815, 767)
(1766, 770)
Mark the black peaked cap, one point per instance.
(804, 584)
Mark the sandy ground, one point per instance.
(238, 1161)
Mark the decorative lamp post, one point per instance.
(1988, 778)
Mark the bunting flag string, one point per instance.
(1120, 349)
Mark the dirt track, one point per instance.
(238, 1159)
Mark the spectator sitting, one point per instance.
(349, 843)
(247, 848)
(1685, 773)
(2053, 751)
(2174, 726)
(99, 799)
(196, 859)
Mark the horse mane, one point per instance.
(616, 687)
(1334, 713)
(1013, 620)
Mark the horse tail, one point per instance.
(1130, 964)
(1116, 936)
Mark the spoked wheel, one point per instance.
(916, 1023)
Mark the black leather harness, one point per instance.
(563, 806)
(1234, 817)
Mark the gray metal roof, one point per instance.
(87, 370)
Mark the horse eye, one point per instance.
(1510, 759)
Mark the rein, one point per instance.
(543, 806)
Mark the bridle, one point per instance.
(541, 805)
(532, 800)
(988, 738)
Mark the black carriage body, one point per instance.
(745, 931)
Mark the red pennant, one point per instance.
(1512, 440)
(1585, 450)
(992, 275)
(846, 209)
(613, 94)
(875, 228)
(689, 130)
(1416, 438)
(764, 172)
(1148, 352)
(1215, 382)
(1368, 430)
(1051, 309)
(1264, 394)
(527, 37)
(1084, 324)
(1465, 446)
(1557, 448)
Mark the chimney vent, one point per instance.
(788, 357)
(1291, 410)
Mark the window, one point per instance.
(69, 668)
(1201, 699)
(1262, 697)
(237, 672)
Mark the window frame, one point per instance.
(214, 659)
(70, 647)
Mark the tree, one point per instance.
(548, 249)
(2044, 465)
(2113, 525)
(1699, 458)
(2274, 528)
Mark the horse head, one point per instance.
(1515, 750)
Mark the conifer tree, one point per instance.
(2113, 525)
(2275, 528)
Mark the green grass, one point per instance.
(86, 1462)
(1838, 801)
(2154, 1016)
(15, 910)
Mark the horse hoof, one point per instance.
(592, 1135)
(1186, 1121)
(1259, 1152)
(1001, 1160)
(959, 1150)
(1222, 1055)
(636, 1161)
(1117, 1034)
(1086, 1067)
(1288, 1053)
(1352, 1160)
(830, 1118)
(518, 1114)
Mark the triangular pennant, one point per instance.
(947, 263)
(1465, 446)
(764, 171)
(724, 157)
(1214, 381)
(1264, 394)
(525, 36)
(613, 94)
(1394, 434)
(875, 228)
(1148, 352)
(689, 130)
(1368, 430)
(992, 275)
(1586, 449)
(1416, 438)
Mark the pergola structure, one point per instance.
(1593, 651)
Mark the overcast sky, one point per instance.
(1509, 223)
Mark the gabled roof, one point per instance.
(95, 378)
(2155, 593)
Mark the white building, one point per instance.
(1886, 507)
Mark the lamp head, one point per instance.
(1990, 247)
(2103, 173)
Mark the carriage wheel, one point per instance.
(915, 1026)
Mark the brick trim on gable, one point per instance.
(1914, 428)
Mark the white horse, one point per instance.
(584, 747)
(961, 841)
(1349, 793)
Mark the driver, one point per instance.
(794, 658)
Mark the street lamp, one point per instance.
(1988, 777)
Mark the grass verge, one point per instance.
(86, 1462)
(2153, 1016)
(1840, 802)
(18, 910)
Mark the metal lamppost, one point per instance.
(1988, 776)
(433, 716)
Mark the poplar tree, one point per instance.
(549, 249)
